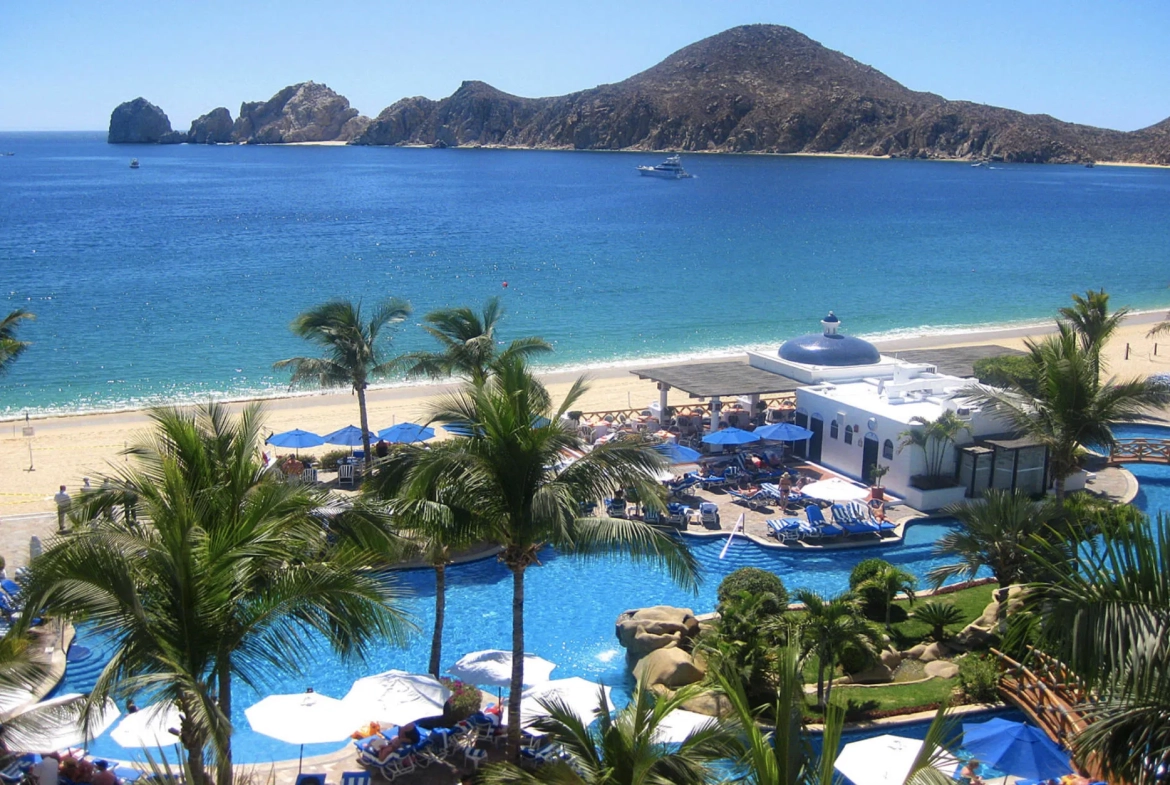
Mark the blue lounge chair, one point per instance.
(814, 515)
(754, 501)
(311, 779)
(709, 515)
(355, 778)
(787, 529)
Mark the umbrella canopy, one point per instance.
(406, 432)
(1015, 748)
(680, 723)
(885, 760)
(493, 668)
(835, 490)
(148, 727)
(678, 453)
(301, 718)
(349, 436)
(60, 721)
(396, 697)
(783, 432)
(731, 436)
(580, 695)
(296, 439)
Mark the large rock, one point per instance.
(943, 669)
(935, 651)
(138, 122)
(671, 667)
(891, 659)
(645, 630)
(305, 112)
(215, 127)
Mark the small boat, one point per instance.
(670, 169)
(981, 164)
(133, 163)
(1089, 164)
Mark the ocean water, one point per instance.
(178, 280)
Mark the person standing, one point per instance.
(63, 503)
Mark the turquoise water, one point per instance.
(178, 280)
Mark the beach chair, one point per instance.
(355, 778)
(345, 475)
(678, 515)
(785, 529)
(709, 515)
(814, 515)
(397, 764)
(616, 508)
(754, 501)
(652, 516)
(315, 778)
(842, 515)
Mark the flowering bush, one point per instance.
(465, 700)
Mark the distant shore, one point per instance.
(67, 448)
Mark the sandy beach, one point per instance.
(66, 449)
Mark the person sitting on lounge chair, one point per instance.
(407, 736)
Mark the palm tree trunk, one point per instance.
(224, 772)
(440, 612)
(829, 683)
(1060, 492)
(517, 684)
(365, 421)
(820, 680)
(194, 744)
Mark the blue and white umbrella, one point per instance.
(406, 433)
(678, 453)
(783, 432)
(731, 436)
(350, 436)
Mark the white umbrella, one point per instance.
(60, 724)
(396, 697)
(301, 718)
(835, 490)
(149, 727)
(885, 760)
(680, 723)
(579, 695)
(493, 668)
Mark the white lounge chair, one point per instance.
(345, 475)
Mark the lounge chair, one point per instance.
(652, 516)
(316, 778)
(346, 475)
(616, 508)
(843, 515)
(709, 515)
(355, 778)
(678, 515)
(787, 529)
(755, 501)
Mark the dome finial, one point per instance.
(830, 323)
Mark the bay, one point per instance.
(178, 280)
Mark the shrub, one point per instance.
(465, 700)
(873, 602)
(757, 583)
(855, 660)
(1003, 371)
(979, 678)
(328, 461)
(938, 615)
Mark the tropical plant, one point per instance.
(877, 472)
(213, 573)
(469, 344)
(1070, 406)
(465, 700)
(20, 673)
(936, 438)
(830, 627)
(353, 351)
(979, 678)
(625, 748)
(1090, 319)
(994, 532)
(1161, 328)
(887, 583)
(1005, 370)
(872, 600)
(510, 473)
(1106, 614)
(938, 615)
(744, 640)
(758, 583)
(10, 347)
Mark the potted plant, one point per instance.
(876, 473)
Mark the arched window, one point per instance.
(835, 429)
(888, 450)
(849, 434)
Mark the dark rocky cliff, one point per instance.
(138, 122)
(215, 126)
(305, 112)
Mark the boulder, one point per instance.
(213, 127)
(138, 122)
(713, 704)
(670, 667)
(942, 669)
(891, 659)
(647, 629)
(173, 137)
(878, 674)
(935, 651)
(305, 112)
(914, 652)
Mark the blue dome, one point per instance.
(830, 348)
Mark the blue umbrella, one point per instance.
(406, 432)
(1015, 748)
(678, 453)
(350, 436)
(459, 428)
(783, 432)
(296, 439)
(730, 436)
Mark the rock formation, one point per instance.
(138, 122)
(213, 127)
(648, 629)
(305, 112)
(757, 88)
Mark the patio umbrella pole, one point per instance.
(300, 760)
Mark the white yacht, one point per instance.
(133, 163)
(670, 169)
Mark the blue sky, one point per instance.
(64, 64)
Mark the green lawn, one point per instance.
(971, 602)
(893, 697)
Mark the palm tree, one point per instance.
(352, 346)
(1161, 328)
(10, 347)
(888, 582)
(624, 749)
(994, 532)
(1070, 406)
(934, 438)
(510, 471)
(469, 344)
(1106, 614)
(1090, 319)
(938, 615)
(828, 628)
(215, 575)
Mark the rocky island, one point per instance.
(751, 89)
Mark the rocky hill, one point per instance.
(305, 112)
(138, 122)
(757, 88)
